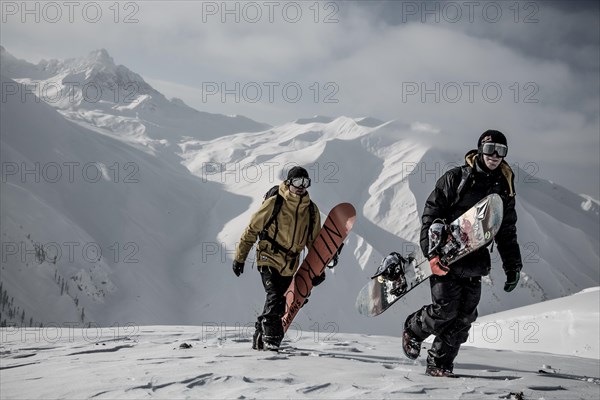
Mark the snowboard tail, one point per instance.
(331, 237)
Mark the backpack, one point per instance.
(263, 235)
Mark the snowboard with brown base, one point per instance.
(329, 240)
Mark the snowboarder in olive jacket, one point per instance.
(456, 289)
(282, 234)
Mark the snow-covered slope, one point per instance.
(569, 326)
(148, 361)
(166, 208)
(118, 220)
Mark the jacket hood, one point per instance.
(505, 169)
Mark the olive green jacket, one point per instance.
(292, 222)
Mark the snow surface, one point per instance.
(148, 362)
(174, 190)
(569, 326)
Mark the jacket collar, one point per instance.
(291, 198)
(505, 169)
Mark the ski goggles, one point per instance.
(490, 148)
(300, 182)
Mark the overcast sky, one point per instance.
(530, 69)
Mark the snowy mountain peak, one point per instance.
(101, 57)
(321, 119)
(96, 62)
(368, 122)
(99, 66)
(93, 90)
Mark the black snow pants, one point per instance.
(449, 317)
(269, 322)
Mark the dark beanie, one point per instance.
(494, 137)
(297, 172)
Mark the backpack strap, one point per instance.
(264, 235)
(273, 217)
(465, 174)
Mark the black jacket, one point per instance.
(457, 191)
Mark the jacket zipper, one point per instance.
(295, 227)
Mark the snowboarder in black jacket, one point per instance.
(456, 290)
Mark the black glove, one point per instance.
(238, 268)
(317, 280)
(512, 278)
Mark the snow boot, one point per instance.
(257, 340)
(410, 345)
(272, 335)
(271, 346)
(435, 371)
(440, 366)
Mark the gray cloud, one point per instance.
(369, 58)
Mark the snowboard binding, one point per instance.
(392, 269)
(334, 260)
(438, 236)
(444, 241)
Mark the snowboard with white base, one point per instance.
(398, 275)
